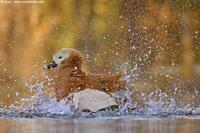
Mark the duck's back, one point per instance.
(71, 80)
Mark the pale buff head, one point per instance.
(67, 57)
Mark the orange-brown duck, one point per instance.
(69, 77)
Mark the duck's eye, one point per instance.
(60, 57)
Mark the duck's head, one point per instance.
(66, 57)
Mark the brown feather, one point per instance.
(69, 78)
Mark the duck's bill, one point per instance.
(51, 65)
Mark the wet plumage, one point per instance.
(69, 77)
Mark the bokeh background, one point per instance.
(155, 42)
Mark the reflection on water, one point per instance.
(100, 125)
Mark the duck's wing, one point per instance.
(112, 83)
(75, 81)
(109, 78)
(93, 100)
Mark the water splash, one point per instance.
(157, 103)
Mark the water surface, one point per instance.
(101, 125)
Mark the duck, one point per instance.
(69, 76)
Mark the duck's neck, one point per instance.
(66, 64)
(68, 68)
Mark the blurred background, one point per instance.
(155, 42)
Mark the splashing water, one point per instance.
(40, 104)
